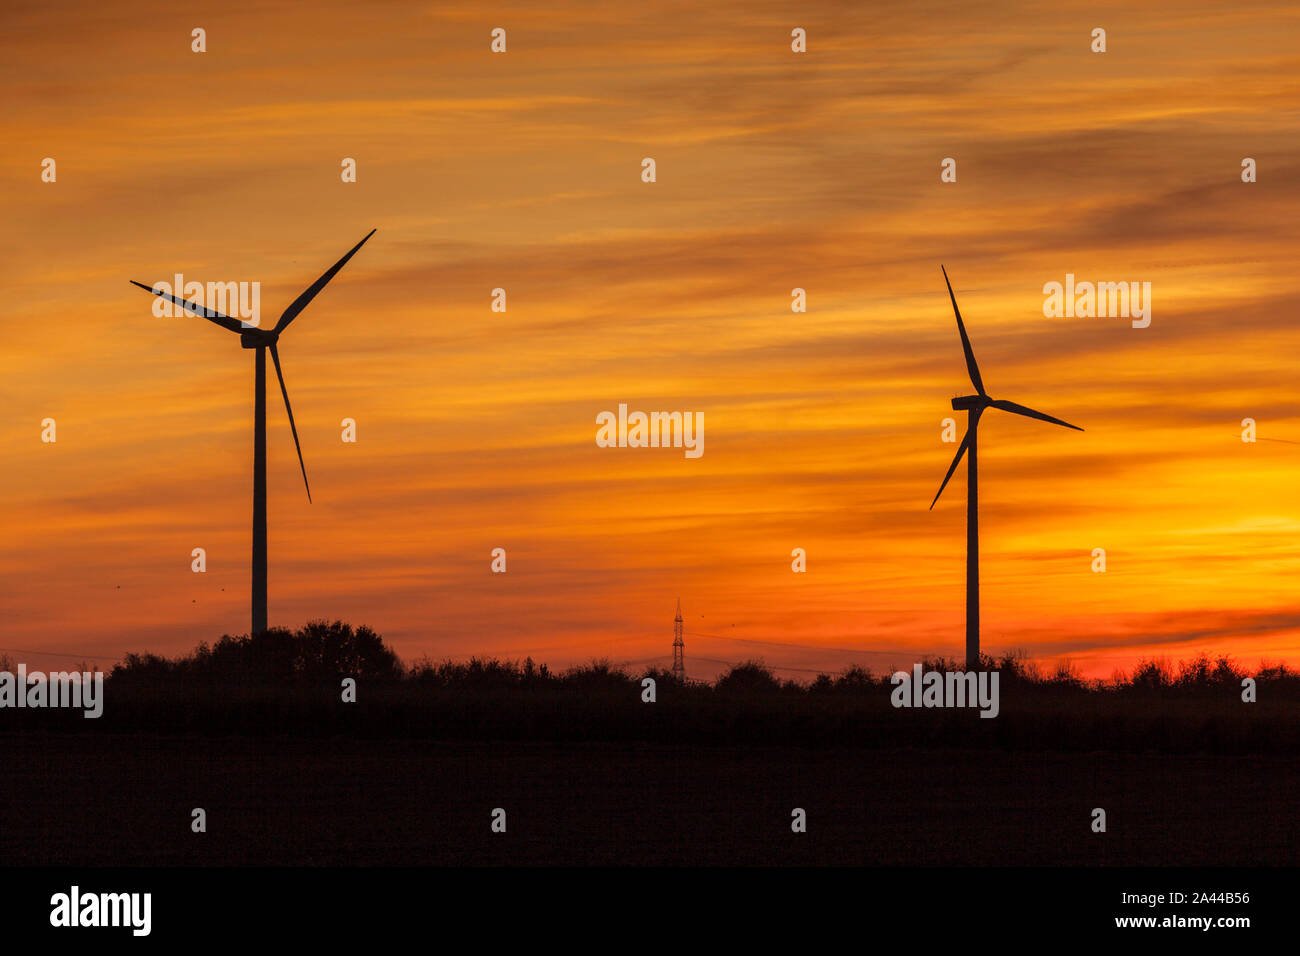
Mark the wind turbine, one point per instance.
(263, 341)
(974, 406)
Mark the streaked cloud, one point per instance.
(822, 430)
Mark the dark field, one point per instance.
(95, 798)
(255, 731)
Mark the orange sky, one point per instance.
(822, 430)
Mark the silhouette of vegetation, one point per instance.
(317, 652)
(751, 677)
(290, 682)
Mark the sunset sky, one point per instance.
(775, 170)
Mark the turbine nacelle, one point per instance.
(257, 338)
(968, 403)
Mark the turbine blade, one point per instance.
(1030, 413)
(303, 300)
(212, 315)
(961, 450)
(971, 367)
(275, 357)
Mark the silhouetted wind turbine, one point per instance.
(974, 406)
(262, 340)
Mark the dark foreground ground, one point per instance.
(107, 799)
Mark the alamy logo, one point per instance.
(950, 689)
(1105, 300)
(102, 909)
(239, 300)
(56, 689)
(655, 430)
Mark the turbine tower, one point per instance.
(679, 647)
(251, 337)
(974, 406)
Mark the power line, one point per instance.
(802, 646)
(775, 667)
